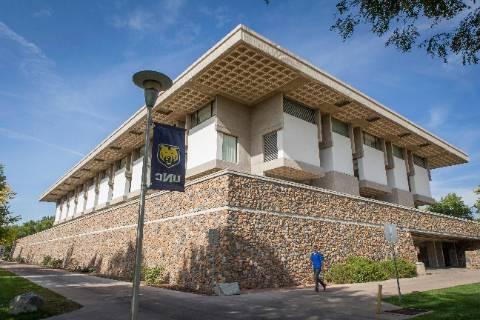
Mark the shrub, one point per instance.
(361, 269)
(46, 262)
(154, 275)
(50, 262)
(19, 259)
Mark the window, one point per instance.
(419, 161)
(398, 152)
(340, 127)
(299, 110)
(270, 148)
(120, 164)
(202, 114)
(229, 148)
(371, 141)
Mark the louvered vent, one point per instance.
(298, 110)
(270, 149)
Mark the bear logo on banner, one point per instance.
(168, 158)
(168, 155)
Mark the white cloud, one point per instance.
(32, 48)
(54, 92)
(220, 14)
(157, 17)
(469, 197)
(437, 117)
(42, 13)
(22, 136)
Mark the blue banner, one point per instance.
(168, 158)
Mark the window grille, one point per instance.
(229, 148)
(419, 161)
(398, 152)
(340, 127)
(298, 110)
(371, 141)
(270, 148)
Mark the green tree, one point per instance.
(6, 194)
(441, 27)
(14, 232)
(477, 203)
(452, 205)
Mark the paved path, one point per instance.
(109, 299)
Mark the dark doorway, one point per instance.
(423, 256)
(446, 255)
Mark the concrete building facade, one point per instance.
(254, 108)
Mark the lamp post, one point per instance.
(152, 83)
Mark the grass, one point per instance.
(12, 285)
(459, 303)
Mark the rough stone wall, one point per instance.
(175, 235)
(472, 259)
(268, 229)
(261, 194)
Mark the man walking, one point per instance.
(317, 260)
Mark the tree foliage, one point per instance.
(11, 233)
(452, 205)
(441, 27)
(477, 203)
(6, 194)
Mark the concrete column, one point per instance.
(58, 211)
(111, 175)
(427, 165)
(383, 147)
(75, 201)
(358, 142)
(128, 172)
(67, 200)
(389, 162)
(325, 126)
(85, 191)
(96, 181)
(439, 251)
(410, 167)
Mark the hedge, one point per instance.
(361, 269)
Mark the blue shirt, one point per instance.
(317, 260)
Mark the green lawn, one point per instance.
(459, 303)
(12, 285)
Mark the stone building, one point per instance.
(281, 157)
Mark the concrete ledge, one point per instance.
(422, 200)
(101, 206)
(400, 196)
(118, 199)
(291, 169)
(133, 194)
(338, 182)
(211, 166)
(373, 187)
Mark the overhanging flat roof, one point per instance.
(248, 68)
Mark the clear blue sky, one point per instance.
(65, 77)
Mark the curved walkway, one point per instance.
(110, 299)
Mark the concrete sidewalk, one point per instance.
(110, 299)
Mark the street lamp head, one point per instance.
(152, 82)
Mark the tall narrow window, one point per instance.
(298, 110)
(340, 127)
(419, 161)
(397, 151)
(371, 141)
(203, 114)
(270, 149)
(229, 148)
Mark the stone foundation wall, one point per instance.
(268, 228)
